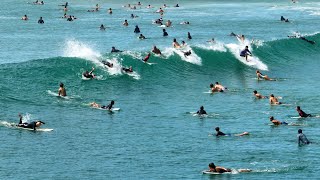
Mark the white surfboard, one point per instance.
(56, 95)
(214, 173)
(37, 129)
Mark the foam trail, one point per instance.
(215, 46)
(74, 48)
(193, 58)
(116, 69)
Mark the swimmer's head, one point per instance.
(271, 118)
(217, 128)
(217, 82)
(255, 91)
(247, 47)
(299, 131)
(211, 85)
(298, 107)
(271, 95)
(211, 165)
(112, 102)
(61, 84)
(201, 108)
(174, 40)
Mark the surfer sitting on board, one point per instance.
(302, 113)
(201, 111)
(62, 90)
(257, 95)
(156, 50)
(127, 70)
(175, 44)
(187, 53)
(146, 58)
(273, 100)
(88, 74)
(245, 53)
(302, 139)
(31, 125)
(109, 64)
(261, 76)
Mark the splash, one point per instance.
(214, 46)
(193, 58)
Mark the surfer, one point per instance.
(277, 122)
(137, 29)
(175, 44)
(70, 18)
(257, 95)
(113, 50)
(297, 35)
(283, 19)
(142, 36)
(96, 105)
(211, 40)
(201, 111)
(273, 100)
(218, 132)
(127, 70)
(189, 36)
(62, 91)
(102, 28)
(146, 58)
(165, 32)
(88, 74)
(217, 169)
(168, 23)
(185, 22)
(302, 113)
(40, 21)
(31, 125)
(156, 50)
(245, 53)
(25, 17)
(261, 76)
(133, 16)
(219, 87)
(110, 11)
(302, 139)
(213, 89)
(187, 53)
(125, 23)
(177, 5)
(110, 65)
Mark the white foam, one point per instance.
(215, 46)
(193, 58)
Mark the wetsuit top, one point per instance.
(126, 70)
(302, 139)
(115, 50)
(200, 112)
(156, 51)
(40, 21)
(219, 133)
(165, 33)
(137, 30)
(245, 52)
(87, 75)
(69, 19)
(282, 18)
(146, 58)
(303, 114)
(187, 53)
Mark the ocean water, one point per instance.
(155, 135)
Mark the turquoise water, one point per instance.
(155, 135)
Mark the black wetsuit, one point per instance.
(302, 139)
(219, 133)
(201, 112)
(165, 33)
(115, 50)
(109, 106)
(136, 30)
(126, 70)
(40, 21)
(88, 75)
(156, 51)
(188, 53)
(303, 114)
(31, 125)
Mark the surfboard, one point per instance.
(56, 94)
(37, 129)
(147, 62)
(112, 109)
(214, 173)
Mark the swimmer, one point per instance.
(113, 50)
(62, 91)
(201, 111)
(213, 89)
(261, 76)
(88, 74)
(127, 70)
(137, 29)
(134, 16)
(273, 100)
(218, 132)
(277, 122)
(187, 53)
(189, 36)
(149, 6)
(168, 23)
(40, 21)
(177, 5)
(245, 53)
(302, 139)
(146, 58)
(25, 17)
(257, 95)
(156, 50)
(139, 4)
(142, 36)
(102, 28)
(283, 19)
(219, 87)
(110, 11)
(125, 23)
(164, 32)
(175, 44)
(108, 107)
(110, 65)
(302, 113)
